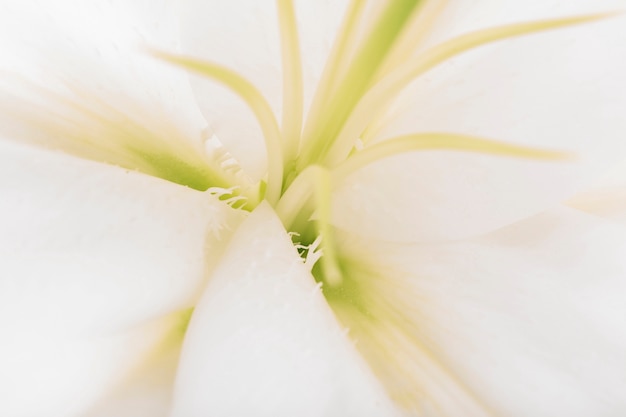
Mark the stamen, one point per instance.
(257, 103)
(439, 141)
(293, 89)
(336, 63)
(329, 260)
(357, 79)
(296, 198)
(417, 28)
(380, 96)
(296, 207)
(313, 253)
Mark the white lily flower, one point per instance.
(351, 208)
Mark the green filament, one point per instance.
(380, 96)
(257, 103)
(336, 64)
(439, 141)
(357, 79)
(294, 208)
(329, 260)
(310, 196)
(293, 90)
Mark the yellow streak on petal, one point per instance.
(605, 201)
(380, 307)
(79, 123)
(440, 141)
(382, 94)
(257, 103)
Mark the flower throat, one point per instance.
(375, 57)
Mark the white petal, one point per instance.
(559, 90)
(69, 59)
(607, 202)
(528, 320)
(49, 373)
(147, 393)
(114, 245)
(263, 342)
(605, 198)
(462, 16)
(88, 253)
(244, 36)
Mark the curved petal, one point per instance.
(66, 373)
(463, 16)
(146, 393)
(244, 36)
(116, 246)
(606, 198)
(263, 342)
(607, 202)
(559, 90)
(527, 321)
(71, 60)
(89, 253)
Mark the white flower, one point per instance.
(454, 280)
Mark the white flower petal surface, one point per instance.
(263, 342)
(49, 372)
(146, 393)
(606, 202)
(244, 36)
(90, 251)
(67, 62)
(115, 245)
(606, 198)
(462, 16)
(529, 320)
(557, 90)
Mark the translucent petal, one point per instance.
(50, 371)
(145, 393)
(91, 245)
(92, 55)
(558, 90)
(462, 16)
(90, 253)
(262, 340)
(607, 202)
(526, 321)
(606, 197)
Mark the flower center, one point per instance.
(374, 58)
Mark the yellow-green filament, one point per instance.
(293, 90)
(311, 192)
(336, 63)
(293, 204)
(419, 26)
(329, 260)
(440, 141)
(357, 78)
(257, 103)
(381, 95)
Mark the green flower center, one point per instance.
(308, 157)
